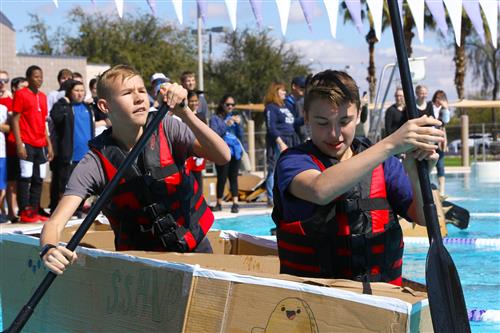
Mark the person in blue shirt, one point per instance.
(73, 128)
(280, 124)
(228, 125)
(337, 197)
(295, 103)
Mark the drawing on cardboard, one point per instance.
(291, 315)
(33, 264)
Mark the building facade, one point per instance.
(16, 64)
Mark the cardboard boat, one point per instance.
(236, 289)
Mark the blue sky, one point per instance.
(317, 46)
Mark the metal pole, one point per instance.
(464, 120)
(201, 85)
(483, 141)
(251, 143)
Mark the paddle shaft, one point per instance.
(430, 212)
(26, 312)
(446, 299)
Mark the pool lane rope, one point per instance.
(477, 242)
(484, 315)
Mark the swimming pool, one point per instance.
(478, 267)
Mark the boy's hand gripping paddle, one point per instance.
(24, 315)
(446, 299)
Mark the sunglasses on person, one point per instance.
(230, 105)
(4, 81)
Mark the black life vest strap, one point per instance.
(163, 172)
(363, 205)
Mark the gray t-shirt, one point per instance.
(88, 177)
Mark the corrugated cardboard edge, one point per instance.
(388, 303)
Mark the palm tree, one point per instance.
(371, 39)
(485, 63)
(460, 58)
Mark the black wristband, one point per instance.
(46, 249)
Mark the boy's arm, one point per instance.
(323, 187)
(50, 151)
(21, 151)
(58, 258)
(208, 144)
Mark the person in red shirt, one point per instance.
(32, 142)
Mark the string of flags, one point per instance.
(437, 8)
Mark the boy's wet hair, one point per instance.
(335, 86)
(106, 79)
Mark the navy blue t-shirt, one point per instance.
(279, 121)
(398, 187)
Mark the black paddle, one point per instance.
(456, 215)
(24, 315)
(446, 299)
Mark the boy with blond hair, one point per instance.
(158, 205)
(336, 197)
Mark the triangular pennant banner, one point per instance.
(417, 11)
(119, 7)
(56, 3)
(490, 10)
(376, 7)
(471, 7)
(152, 5)
(332, 9)
(257, 12)
(306, 6)
(354, 7)
(202, 10)
(437, 10)
(232, 6)
(178, 9)
(283, 11)
(455, 13)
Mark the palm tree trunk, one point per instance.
(460, 63)
(408, 34)
(494, 94)
(371, 78)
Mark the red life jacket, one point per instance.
(192, 163)
(157, 206)
(356, 236)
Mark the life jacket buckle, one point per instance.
(154, 211)
(165, 228)
(351, 205)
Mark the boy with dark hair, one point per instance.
(157, 206)
(336, 197)
(34, 148)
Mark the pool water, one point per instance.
(478, 268)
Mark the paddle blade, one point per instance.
(456, 215)
(445, 293)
